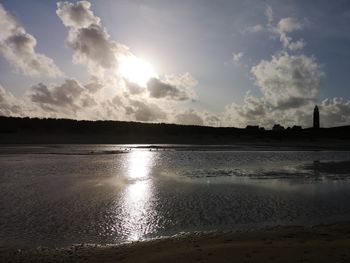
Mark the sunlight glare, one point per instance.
(137, 70)
(139, 164)
(138, 214)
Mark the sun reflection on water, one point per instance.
(138, 212)
(139, 163)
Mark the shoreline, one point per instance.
(239, 146)
(321, 243)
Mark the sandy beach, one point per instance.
(323, 243)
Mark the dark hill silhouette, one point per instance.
(35, 130)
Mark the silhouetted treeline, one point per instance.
(34, 130)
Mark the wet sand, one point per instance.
(324, 243)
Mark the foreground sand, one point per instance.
(329, 243)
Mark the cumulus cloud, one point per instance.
(160, 89)
(76, 15)
(133, 87)
(253, 111)
(102, 97)
(175, 87)
(334, 111)
(65, 99)
(255, 29)
(18, 48)
(146, 112)
(237, 57)
(285, 26)
(185, 80)
(289, 24)
(89, 40)
(189, 117)
(9, 104)
(93, 47)
(196, 117)
(289, 85)
(288, 79)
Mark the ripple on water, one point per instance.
(60, 199)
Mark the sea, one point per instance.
(59, 195)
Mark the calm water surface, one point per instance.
(60, 195)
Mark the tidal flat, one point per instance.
(110, 198)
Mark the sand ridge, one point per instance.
(324, 243)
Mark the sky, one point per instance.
(202, 62)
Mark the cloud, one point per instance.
(189, 117)
(76, 15)
(94, 86)
(195, 117)
(88, 39)
(159, 89)
(93, 47)
(255, 29)
(269, 14)
(253, 111)
(289, 24)
(18, 48)
(145, 112)
(185, 80)
(288, 78)
(334, 111)
(134, 88)
(175, 87)
(289, 85)
(285, 26)
(65, 99)
(9, 105)
(237, 57)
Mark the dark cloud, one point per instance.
(147, 112)
(295, 102)
(62, 95)
(133, 88)
(92, 44)
(160, 89)
(66, 98)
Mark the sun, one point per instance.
(137, 70)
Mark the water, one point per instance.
(61, 195)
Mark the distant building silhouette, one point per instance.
(316, 118)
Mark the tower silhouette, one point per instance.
(316, 118)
